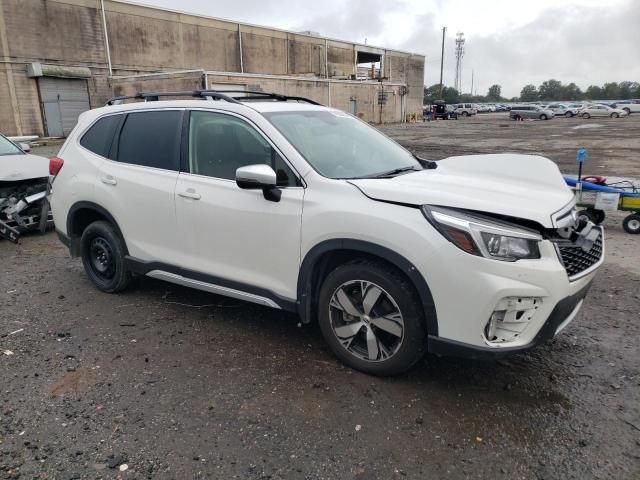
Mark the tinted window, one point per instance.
(219, 144)
(151, 139)
(98, 138)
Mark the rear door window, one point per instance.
(99, 137)
(151, 139)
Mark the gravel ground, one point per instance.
(177, 384)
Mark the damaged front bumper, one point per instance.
(24, 207)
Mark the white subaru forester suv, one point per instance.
(282, 202)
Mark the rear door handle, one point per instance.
(109, 180)
(190, 193)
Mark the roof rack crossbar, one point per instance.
(226, 95)
(155, 96)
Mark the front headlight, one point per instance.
(482, 236)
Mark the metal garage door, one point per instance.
(63, 100)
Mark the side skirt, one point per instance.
(209, 283)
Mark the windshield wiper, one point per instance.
(395, 171)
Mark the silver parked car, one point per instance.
(602, 111)
(519, 112)
(562, 109)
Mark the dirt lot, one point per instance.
(178, 384)
(613, 143)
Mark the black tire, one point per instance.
(628, 110)
(465, 114)
(543, 117)
(596, 216)
(631, 224)
(103, 252)
(568, 114)
(615, 115)
(412, 346)
(586, 115)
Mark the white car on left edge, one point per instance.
(23, 185)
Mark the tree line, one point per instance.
(549, 90)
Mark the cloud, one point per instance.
(573, 44)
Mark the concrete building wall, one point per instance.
(145, 40)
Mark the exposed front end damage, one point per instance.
(24, 207)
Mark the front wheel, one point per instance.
(615, 115)
(371, 318)
(631, 224)
(465, 114)
(543, 117)
(103, 252)
(586, 115)
(568, 114)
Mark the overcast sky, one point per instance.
(509, 42)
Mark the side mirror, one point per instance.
(25, 147)
(259, 177)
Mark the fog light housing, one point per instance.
(510, 318)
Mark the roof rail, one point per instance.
(155, 96)
(257, 95)
(210, 95)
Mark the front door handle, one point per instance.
(109, 180)
(190, 193)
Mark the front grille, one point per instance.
(576, 260)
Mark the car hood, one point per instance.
(523, 186)
(22, 167)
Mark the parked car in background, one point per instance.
(491, 107)
(501, 108)
(602, 111)
(442, 111)
(465, 109)
(562, 109)
(300, 207)
(519, 112)
(629, 106)
(579, 106)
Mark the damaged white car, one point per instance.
(24, 180)
(282, 202)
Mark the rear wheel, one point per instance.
(371, 318)
(586, 115)
(628, 110)
(543, 117)
(631, 224)
(568, 114)
(465, 114)
(103, 252)
(615, 115)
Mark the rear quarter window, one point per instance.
(99, 137)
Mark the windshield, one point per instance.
(7, 147)
(338, 145)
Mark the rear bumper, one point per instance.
(564, 311)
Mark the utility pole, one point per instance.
(444, 29)
(471, 81)
(459, 54)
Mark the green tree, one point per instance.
(611, 91)
(550, 90)
(529, 93)
(594, 92)
(494, 94)
(571, 92)
(450, 95)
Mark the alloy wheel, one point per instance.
(366, 320)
